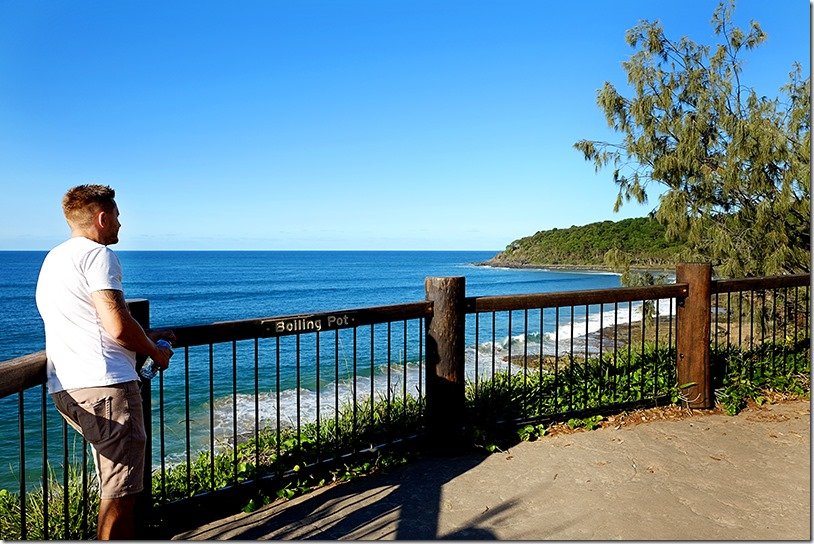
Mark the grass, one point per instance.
(499, 409)
(79, 522)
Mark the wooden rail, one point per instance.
(574, 298)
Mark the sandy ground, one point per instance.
(666, 475)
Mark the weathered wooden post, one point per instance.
(694, 319)
(445, 363)
(140, 310)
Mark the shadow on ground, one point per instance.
(404, 504)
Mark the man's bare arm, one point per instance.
(119, 324)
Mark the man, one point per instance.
(91, 341)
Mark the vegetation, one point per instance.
(639, 242)
(79, 523)
(732, 166)
(576, 388)
(754, 375)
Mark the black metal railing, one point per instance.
(258, 402)
(563, 354)
(760, 318)
(285, 394)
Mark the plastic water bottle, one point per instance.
(150, 368)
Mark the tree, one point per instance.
(734, 166)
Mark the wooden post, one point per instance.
(694, 316)
(140, 310)
(445, 363)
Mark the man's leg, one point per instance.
(110, 418)
(117, 518)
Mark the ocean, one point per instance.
(199, 287)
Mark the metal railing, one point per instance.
(254, 402)
(759, 316)
(566, 354)
(266, 399)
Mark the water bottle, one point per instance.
(150, 368)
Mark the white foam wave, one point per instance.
(237, 417)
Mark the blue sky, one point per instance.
(381, 124)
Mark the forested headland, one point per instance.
(637, 243)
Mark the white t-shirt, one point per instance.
(80, 351)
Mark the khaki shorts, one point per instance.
(110, 418)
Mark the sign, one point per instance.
(304, 324)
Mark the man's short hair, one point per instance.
(82, 202)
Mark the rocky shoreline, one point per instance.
(500, 263)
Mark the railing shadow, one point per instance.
(403, 504)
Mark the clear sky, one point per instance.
(329, 124)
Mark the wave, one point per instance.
(237, 417)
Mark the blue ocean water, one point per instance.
(198, 287)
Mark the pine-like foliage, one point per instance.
(734, 166)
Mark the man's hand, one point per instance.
(162, 334)
(162, 357)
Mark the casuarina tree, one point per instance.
(732, 168)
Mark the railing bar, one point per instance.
(187, 422)
(277, 391)
(256, 404)
(657, 357)
(571, 362)
(541, 357)
(670, 346)
(525, 353)
(23, 501)
(751, 331)
(556, 358)
(714, 322)
(234, 411)
(299, 386)
(757, 284)
(785, 326)
(494, 355)
(509, 364)
(642, 380)
(161, 437)
(477, 352)
(567, 298)
(615, 350)
(84, 524)
(45, 468)
(629, 346)
(267, 327)
(728, 319)
(336, 393)
(796, 307)
(763, 318)
(372, 372)
(211, 417)
(404, 379)
(586, 369)
(600, 366)
(317, 388)
(354, 431)
(389, 383)
(422, 324)
(808, 311)
(65, 483)
(774, 326)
